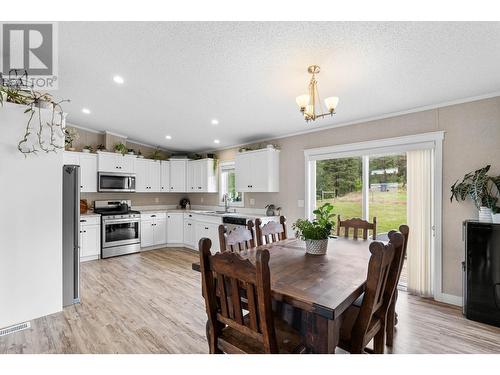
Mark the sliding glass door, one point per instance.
(399, 181)
(340, 182)
(365, 186)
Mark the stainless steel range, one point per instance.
(121, 228)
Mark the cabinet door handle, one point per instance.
(153, 215)
(206, 228)
(83, 221)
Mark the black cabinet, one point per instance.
(482, 272)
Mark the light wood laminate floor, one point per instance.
(151, 303)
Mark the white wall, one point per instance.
(30, 225)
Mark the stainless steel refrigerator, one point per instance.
(71, 234)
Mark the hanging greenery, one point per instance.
(32, 140)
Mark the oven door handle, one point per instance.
(120, 221)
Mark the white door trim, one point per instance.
(432, 140)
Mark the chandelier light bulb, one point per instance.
(302, 101)
(331, 103)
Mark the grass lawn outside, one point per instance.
(389, 207)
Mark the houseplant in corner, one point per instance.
(479, 187)
(316, 232)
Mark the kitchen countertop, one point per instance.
(90, 214)
(207, 212)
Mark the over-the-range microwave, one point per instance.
(115, 182)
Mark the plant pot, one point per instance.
(3, 95)
(495, 218)
(316, 247)
(70, 149)
(86, 150)
(485, 215)
(43, 104)
(140, 156)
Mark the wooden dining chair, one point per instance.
(238, 239)
(398, 263)
(226, 276)
(357, 224)
(366, 321)
(270, 232)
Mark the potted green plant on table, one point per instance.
(316, 232)
(483, 190)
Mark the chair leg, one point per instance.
(379, 342)
(212, 342)
(391, 319)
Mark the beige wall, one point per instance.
(93, 139)
(472, 140)
(138, 199)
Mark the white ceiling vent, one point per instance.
(15, 328)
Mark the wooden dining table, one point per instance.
(319, 288)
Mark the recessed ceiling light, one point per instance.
(118, 79)
(86, 111)
(216, 141)
(215, 121)
(168, 137)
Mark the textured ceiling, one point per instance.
(180, 75)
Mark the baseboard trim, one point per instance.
(449, 299)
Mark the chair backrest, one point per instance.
(238, 239)
(227, 275)
(357, 224)
(400, 245)
(270, 232)
(374, 298)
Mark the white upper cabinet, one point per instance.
(88, 172)
(147, 175)
(114, 162)
(88, 169)
(178, 175)
(257, 171)
(202, 177)
(165, 176)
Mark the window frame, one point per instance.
(224, 166)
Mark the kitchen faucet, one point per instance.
(225, 199)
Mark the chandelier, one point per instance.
(311, 102)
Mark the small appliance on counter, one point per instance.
(121, 228)
(185, 204)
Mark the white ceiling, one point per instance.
(180, 75)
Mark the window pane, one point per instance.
(228, 186)
(387, 194)
(339, 181)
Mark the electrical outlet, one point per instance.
(300, 203)
(252, 202)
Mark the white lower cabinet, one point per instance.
(175, 228)
(208, 230)
(90, 238)
(153, 229)
(189, 232)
